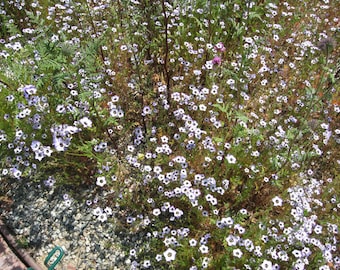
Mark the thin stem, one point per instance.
(110, 79)
(141, 92)
(165, 64)
(6, 84)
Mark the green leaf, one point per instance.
(242, 117)
(224, 108)
(253, 14)
(291, 133)
(218, 139)
(110, 121)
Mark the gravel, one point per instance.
(42, 219)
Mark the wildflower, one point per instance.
(97, 211)
(318, 229)
(204, 249)
(74, 93)
(227, 221)
(39, 155)
(102, 145)
(10, 98)
(47, 151)
(264, 238)
(178, 213)
(101, 181)
(169, 255)
(192, 242)
(297, 253)
(133, 252)
(255, 153)
(86, 122)
(28, 90)
(217, 60)
(35, 145)
(102, 217)
(266, 265)
(231, 159)
(16, 173)
(130, 220)
(248, 245)
(202, 107)
(237, 253)
(230, 81)
(240, 229)
(146, 264)
(209, 65)
(277, 201)
(170, 241)
(243, 211)
(108, 211)
(156, 212)
(205, 262)
(50, 181)
(232, 240)
(159, 257)
(220, 47)
(68, 203)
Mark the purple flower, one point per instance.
(220, 47)
(217, 60)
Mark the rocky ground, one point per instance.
(42, 219)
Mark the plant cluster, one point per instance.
(212, 126)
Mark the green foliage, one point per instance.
(133, 87)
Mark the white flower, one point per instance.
(237, 253)
(266, 265)
(108, 211)
(39, 155)
(231, 159)
(47, 151)
(102, 217)
(230, 82)
(202, 107)
(35, 145)
(192, 242)
(146, 263)
(97, 211)
(204, 249)
(72, 129)
(28, 90)
(86, 122)
(101, 181)
(169, 255)
(277, 201)
(227, 221)
(156, 212)
(232, 240)
(16, 173)
(59, 144)
(178, 213)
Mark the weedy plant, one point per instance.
(213, 126)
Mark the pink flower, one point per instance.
(220, 47)
(217, 60)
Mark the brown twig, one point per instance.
(21, 254)
(165, 64)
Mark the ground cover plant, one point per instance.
(213, 126)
